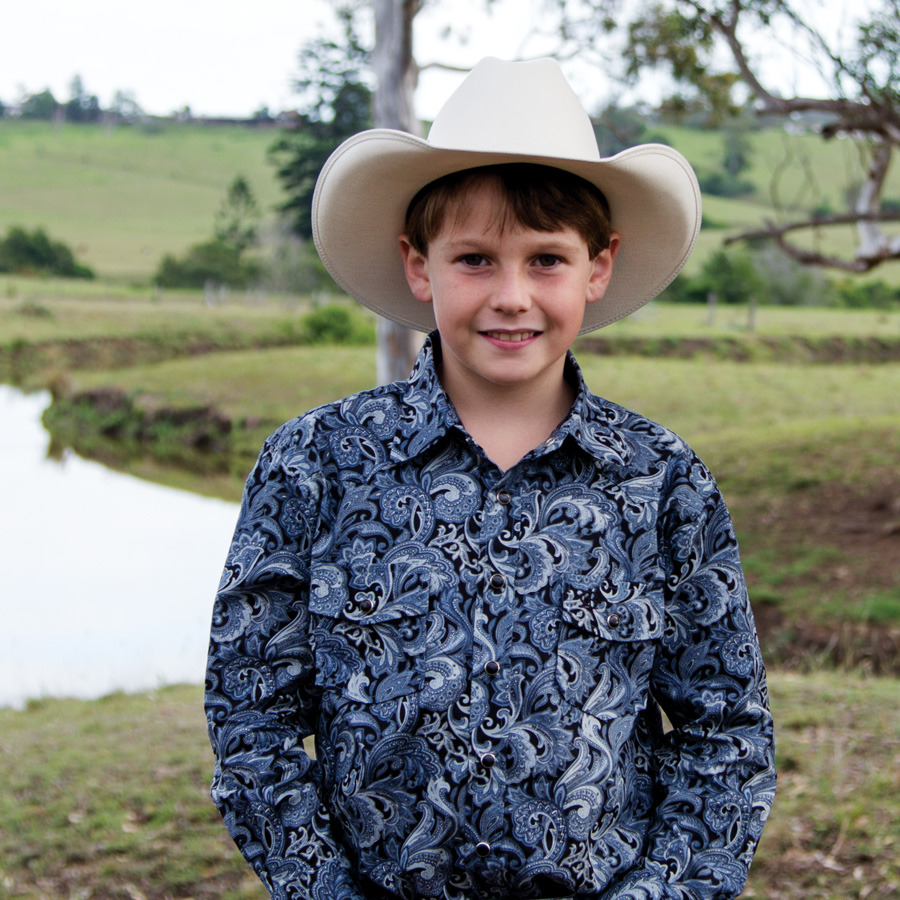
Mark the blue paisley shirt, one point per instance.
(484, 659)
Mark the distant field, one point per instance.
(76, 309)
(125, 196)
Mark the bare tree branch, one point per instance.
(863, 106)
(884, 251)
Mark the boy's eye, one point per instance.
(547, 260)
(473, 259)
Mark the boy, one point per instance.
(478, 588)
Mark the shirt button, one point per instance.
(367, 605)
(488, 760)
(497, 581)
(482, 849)
(492, 667)
(613, 620)
(504, 497)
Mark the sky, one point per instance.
(232, 57)
(220, 57)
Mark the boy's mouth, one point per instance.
(511, 336)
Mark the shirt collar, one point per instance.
(428, 415)
(593, 423)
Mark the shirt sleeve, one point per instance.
(261, 699)
(715, 774)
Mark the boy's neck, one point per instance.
(509, 423)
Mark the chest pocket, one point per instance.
(369, 644)
(607, 642)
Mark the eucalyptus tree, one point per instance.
(346, 86)
(395, 70)
(718, 56)
(334, 90)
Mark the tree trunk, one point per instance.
(395, 81)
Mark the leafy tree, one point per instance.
(859, 68)
(336, 103)
(238, 216)
(124, 107)
(220, 260)
(618, 127)
(737, 150)
(731, 276)
(212, 261)
(763, 275)
(33, 252)
(40, 106)
(868, 295)
(82, 106)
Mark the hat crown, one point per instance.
(522, 107)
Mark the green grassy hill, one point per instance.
(124, 196)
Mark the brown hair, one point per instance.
(542, 198)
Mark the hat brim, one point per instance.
(364, 189)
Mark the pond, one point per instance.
(107, 580)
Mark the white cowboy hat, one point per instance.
(502, 112)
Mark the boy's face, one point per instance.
(508, 304)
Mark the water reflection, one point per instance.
(107, 581)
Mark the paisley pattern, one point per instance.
(483, 658)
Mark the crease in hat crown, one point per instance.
(501, 112)
(531, 110)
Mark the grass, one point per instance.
(134, 312)
(835, 828)
(76, 309)
(715, 407)
(123, 197)
(109, 798)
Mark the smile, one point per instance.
(511, 336)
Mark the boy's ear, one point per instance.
(415, 265)
(603, 269)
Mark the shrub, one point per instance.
(29, 253)
(335, 325)
(732, 276)
(685, 289)
(213, 261)
(721, 184)
(868, 295)
(739, 275)
(785, 282)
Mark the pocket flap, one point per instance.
(635, 613)
(330, 596)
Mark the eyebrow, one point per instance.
(543, 243)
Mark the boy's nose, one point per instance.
(511, 294)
